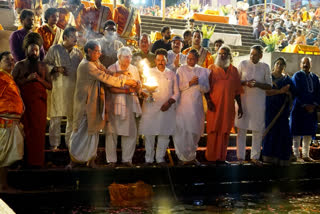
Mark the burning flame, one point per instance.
(149, 80)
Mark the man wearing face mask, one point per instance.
(175, 57)
(110, 44)
(303, 118)
(63, 60)
(255, 79)
(165, 42)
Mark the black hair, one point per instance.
(218, 41)
(258, 48)
(25, 13)
(195, 53)
(197, 31)
(187, 33)
(32, 38)
(164, 29)
(91, 44)
(284, 61)
(68, 31)
(109, 22)
(49, 12)
(161, 51)
(3, 54)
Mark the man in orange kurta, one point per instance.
(121, 16)
(95, 16)
(50, 33)
(225, 88)
(205, 58)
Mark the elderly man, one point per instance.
(144, 52)
(158, 118)
(63, 60)
(49, 32)
(109, 44)
(128, 20)
(165, 42)
(175, 57)
(11, 109)
(89, 107)
(303, 118)
(124, 108)
(16, 38)
(205, 58)
(33, 79)
(95, 16)
(225, 87)
(256, 79)
(193, 81)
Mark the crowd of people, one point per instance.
(299, 27)
(99, 85)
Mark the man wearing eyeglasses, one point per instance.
(110, 44)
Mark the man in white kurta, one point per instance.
(175, 57)
(159, 117)
(255, 78)
(89, 110)
(124, 107)
(63, 60)
(190, 117)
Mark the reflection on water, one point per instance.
(297, 203)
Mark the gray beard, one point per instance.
(222, 63)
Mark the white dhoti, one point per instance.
(162, 145)
(83, 147)
(186, 144)
(11, 144)
(55, 131)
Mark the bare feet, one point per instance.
(72, 165)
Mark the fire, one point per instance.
(149, 80)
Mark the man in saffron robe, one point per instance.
(50, 33)
(33, 79)
(11, 109)
(225, 87)
(205, 58)
(242, 8)
(128, 20)
(95, 16)
(303, 118)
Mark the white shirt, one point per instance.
(153, 120)
(190, 113)
(254, 99)
(172, 56)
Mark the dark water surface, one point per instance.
(292, 203)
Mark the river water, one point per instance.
(291, 203)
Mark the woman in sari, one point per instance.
(277, 141)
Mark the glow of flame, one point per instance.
(149, 79)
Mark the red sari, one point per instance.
(34, 96)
